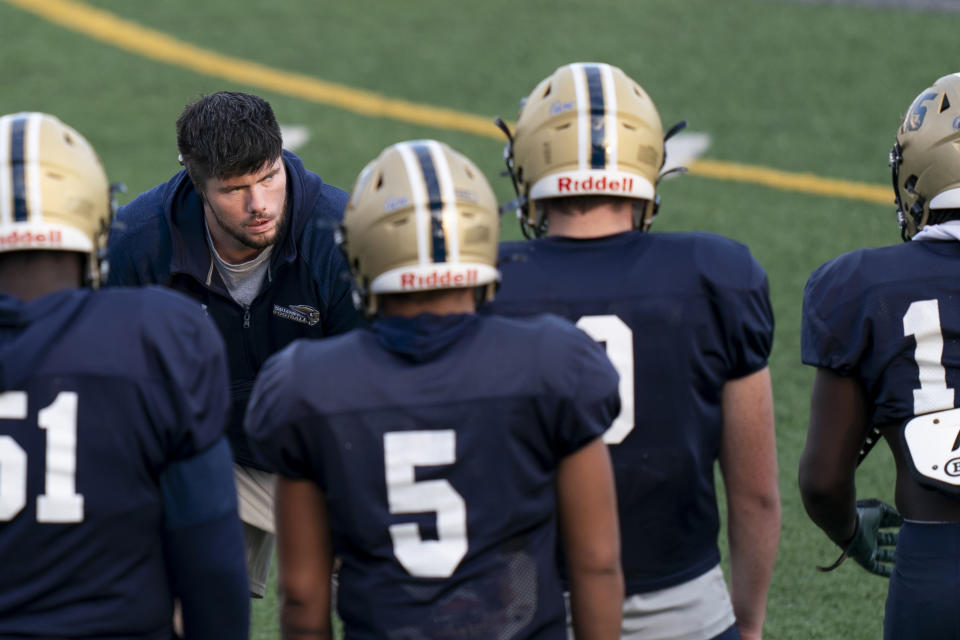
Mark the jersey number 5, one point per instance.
(403, 452)
(618, 338)
(60, 502)
(922, 321)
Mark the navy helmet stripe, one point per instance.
(435, 202)
(598, 134)
(17, 167)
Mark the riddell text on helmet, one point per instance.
(31, 239)
(570, 185)
(439, 279)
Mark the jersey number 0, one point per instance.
(617, 336)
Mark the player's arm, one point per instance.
(591, 540)
(203, 545)
(305, 556)
(839, 423)
(748, 463)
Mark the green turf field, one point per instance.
(798, 87)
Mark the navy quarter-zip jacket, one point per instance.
(159, 238)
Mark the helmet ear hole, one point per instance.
(911, 184)
(917, 212)
(945, 103)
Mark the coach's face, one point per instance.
(247, 213)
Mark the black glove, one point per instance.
(870, 547)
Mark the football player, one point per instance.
(882, 327)
(116, 483)
(686, 320)
(440, 459)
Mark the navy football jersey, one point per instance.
(680, 315)
(889, 316)
(99, 391)
(437, 455)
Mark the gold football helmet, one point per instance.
(925, 159)
(54, 193)
(421, 217)
(588, 129)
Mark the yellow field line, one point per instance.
(155, 45)
(130, 36)
(803, 182)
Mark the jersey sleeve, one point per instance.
(138, 248)
(271, 420)
(122, 269)
(741, 295)
(834, 329)
(190, 398)
(584, 387)
(203, 544)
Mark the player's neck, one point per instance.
(28, 277)
(598, 222)
(454, 301)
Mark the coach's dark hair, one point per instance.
(227, 134)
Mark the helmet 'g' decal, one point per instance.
(598, 133)
(918, 112)
(17, 167)
(434, 200)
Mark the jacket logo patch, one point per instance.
(298, 313)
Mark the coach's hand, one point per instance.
(870, 547)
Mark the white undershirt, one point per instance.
(949, 230)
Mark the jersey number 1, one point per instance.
(922, 321)
(60, 502)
